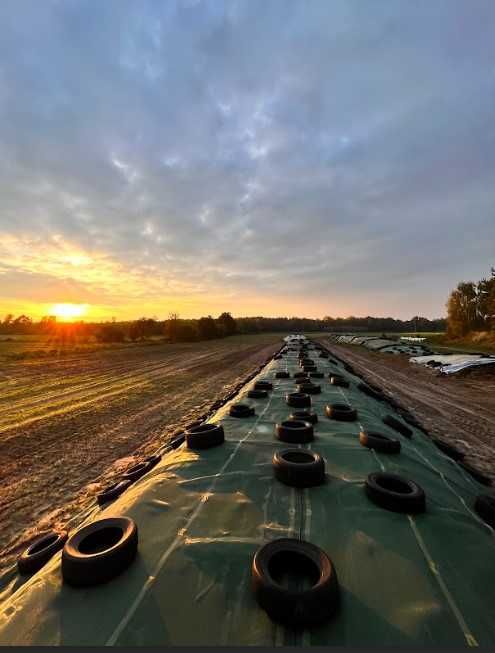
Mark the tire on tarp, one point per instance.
(304, 416)
(379, 442)
(205, 436)
(298, 399)
(303, 608)
(241, 410)
(398, 426)
(294, 431)
(448, 449)
(39, 552)
(396, 493)
(99, 551)
(112, 491)
(338, 380)
(298, 467)
(341, 412)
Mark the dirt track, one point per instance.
(459, 409)
(70, 425)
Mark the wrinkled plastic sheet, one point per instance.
(383, 345)
(425, 580)
(449, 364)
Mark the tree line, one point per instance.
(173, 329)
(176, 329)
(471, 307)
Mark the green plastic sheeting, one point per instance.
(426, 580)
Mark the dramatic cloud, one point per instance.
(279, 157)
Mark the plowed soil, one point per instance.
(457, 408)
(69, 426)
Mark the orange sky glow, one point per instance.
(63, 280)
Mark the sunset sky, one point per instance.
(261, 157)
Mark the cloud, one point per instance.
(326, 157)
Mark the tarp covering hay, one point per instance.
(425, 580)
(383, 345)
(451, 363)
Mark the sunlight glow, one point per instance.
(68, 312)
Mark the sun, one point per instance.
(68, 312)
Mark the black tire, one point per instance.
(379, 442)
(178, 440)
(40, 551)
(241, 410)
(310, 368)
(475, 473)
(485, 507)
(99, 551)
(112, 491)
(294, 431)
(298, 399)
(309, 388)
(304, 416)
(140, 469)
(282, 375)
(448, 450)
(395, 404)
(257, 394)
(398, 426)
(396, 493)
(263, 385)
(193, 424)
(316, 375)
(205, 436)
(370, 391)
(298, 467)
(338, 380)
(301, 375)
(341, 412)
(298, 608)
(323, 354)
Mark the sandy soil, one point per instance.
(69, 426)
(459, 409)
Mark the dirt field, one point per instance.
(459, 408)
(68, 425)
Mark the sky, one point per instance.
(271, 157)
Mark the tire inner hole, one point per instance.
(298, 457)
(293, 570)
(100, 540)
(42, 545)
(394, 485)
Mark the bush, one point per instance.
(226, 324)
(110, 333)
(207, 328)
